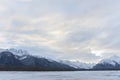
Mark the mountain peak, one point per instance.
(111, 59)
(112, 62)
(18, 52)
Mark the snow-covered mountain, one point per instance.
(78, 64)
(18, 52)
(109, 63)
(12, 59)
(112, 60)
(19, 57)
(28, 59)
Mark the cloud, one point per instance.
(75, 30)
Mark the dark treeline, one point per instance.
(32, 68)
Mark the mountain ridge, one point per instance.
(18, 59)
(110, 63)
(27, 62)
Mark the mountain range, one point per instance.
(21, 60)
(112, 63)
(12, 59)
(78, 64)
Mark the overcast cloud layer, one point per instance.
(85, 30)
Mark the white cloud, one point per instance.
(66, 29)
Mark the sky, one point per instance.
(84, 30)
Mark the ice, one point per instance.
(68, 75)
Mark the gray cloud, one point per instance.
(65, 29)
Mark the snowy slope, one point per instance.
(78, 65)
(18, 52)
(112, 60)
(12, 59)
(112, 63)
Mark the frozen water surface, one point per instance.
(72, 75)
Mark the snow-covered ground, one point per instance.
(75, 75)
